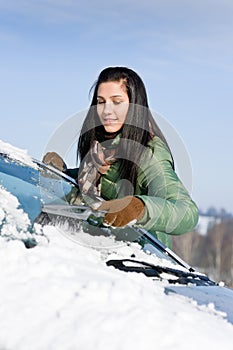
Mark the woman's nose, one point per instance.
(107, 108)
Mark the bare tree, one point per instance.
(211, 253)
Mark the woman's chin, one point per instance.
(112, 128)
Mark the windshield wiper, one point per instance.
(150, 270)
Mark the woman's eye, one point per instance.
(100, 102)
(116, 102)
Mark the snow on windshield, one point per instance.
(14, 222)
(16, 153)
(12, 219)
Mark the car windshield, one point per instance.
(42, 190)
(34, 186)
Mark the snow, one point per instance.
(14, 222)
(60, 295)
(16, 153)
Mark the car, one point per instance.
(50, 197)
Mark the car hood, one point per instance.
(219, 298)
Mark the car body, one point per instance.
(47, 196)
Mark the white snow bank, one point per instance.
(16, 153)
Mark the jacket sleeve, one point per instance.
(169, 207)
(72, 172)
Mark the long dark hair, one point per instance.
(139, 125)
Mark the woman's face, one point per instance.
(112, 105)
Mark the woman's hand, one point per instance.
(53, 159)
(121, 212)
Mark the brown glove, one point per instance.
(53, 159)
(122, 211)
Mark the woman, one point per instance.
(125, 160)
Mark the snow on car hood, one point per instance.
(61, 295)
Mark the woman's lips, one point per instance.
(110, 121)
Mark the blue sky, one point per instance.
(52, 52)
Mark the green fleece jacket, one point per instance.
(169, 209)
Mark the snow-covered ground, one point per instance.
(60, 295)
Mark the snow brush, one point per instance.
(76, 215)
